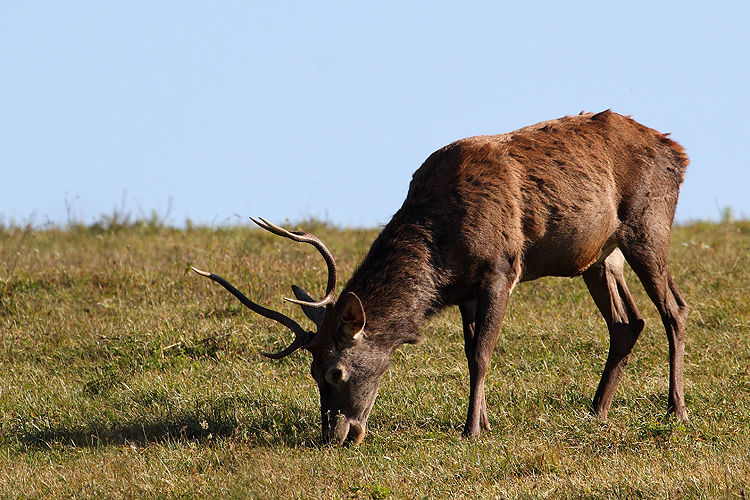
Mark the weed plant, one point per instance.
(125, 375)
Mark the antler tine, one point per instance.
(305, 237)
(301, 337)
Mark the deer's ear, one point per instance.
(315, 314)
(352, 317)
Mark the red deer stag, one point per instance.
(575, 196)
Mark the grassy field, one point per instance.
(125, 375)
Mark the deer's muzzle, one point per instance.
(340, 429)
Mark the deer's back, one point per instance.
(555, 194)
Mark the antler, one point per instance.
(301, 337)
(305, 237)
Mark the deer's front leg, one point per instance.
(480, 336)
(468, 316)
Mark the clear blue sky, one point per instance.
(290, 110)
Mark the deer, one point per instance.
(579, 195)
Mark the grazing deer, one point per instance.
(575, 196)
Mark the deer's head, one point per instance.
(347, 362)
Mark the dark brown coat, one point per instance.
(575, 196)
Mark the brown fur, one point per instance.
(573, 196)
(552, 199)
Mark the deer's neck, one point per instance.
(397, 283)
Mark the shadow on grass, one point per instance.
(96, 434)
(207, 425)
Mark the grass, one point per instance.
(124, 375)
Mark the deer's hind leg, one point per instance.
(607, 286)
(648, 257)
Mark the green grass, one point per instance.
(125, 375)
